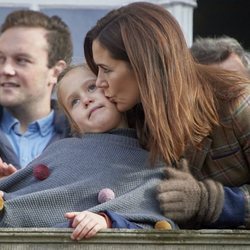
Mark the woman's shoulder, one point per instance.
(241, 107)
(236, 108)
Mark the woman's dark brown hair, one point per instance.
(179, 98)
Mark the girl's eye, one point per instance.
(91, 88)
(74, 102)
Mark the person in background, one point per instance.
(224, 52)
(94, 178)
(34, 49)
(193, 117)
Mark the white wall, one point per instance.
(80, 15)
(182, 10)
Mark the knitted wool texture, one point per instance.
(190, 202)
(79, 169)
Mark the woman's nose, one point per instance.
(101, 82)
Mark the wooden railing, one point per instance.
(42, 238)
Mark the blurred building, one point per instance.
(81, 15)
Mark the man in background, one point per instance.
(34, 49)
(225, 52)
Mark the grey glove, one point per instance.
(184, 199)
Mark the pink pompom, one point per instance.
(41, 172)
(106, 194)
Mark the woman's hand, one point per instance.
(86, 224)
(185, 199)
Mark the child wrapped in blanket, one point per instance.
(102, 171)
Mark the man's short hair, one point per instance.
(59, 38)
(216, 50)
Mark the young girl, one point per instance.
(102, 172)
(88, 110)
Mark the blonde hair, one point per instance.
(179, 98)
(75, 130)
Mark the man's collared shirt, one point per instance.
(30, 144)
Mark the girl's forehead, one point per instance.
(76, 77)
(81, 71)
(78, 73)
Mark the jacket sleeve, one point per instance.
(241, 126)
(236, 207)
(119, 221)
(233, 211)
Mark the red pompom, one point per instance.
(41, 172)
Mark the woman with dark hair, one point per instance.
(181, 109)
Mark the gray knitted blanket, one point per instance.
(78, 169)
